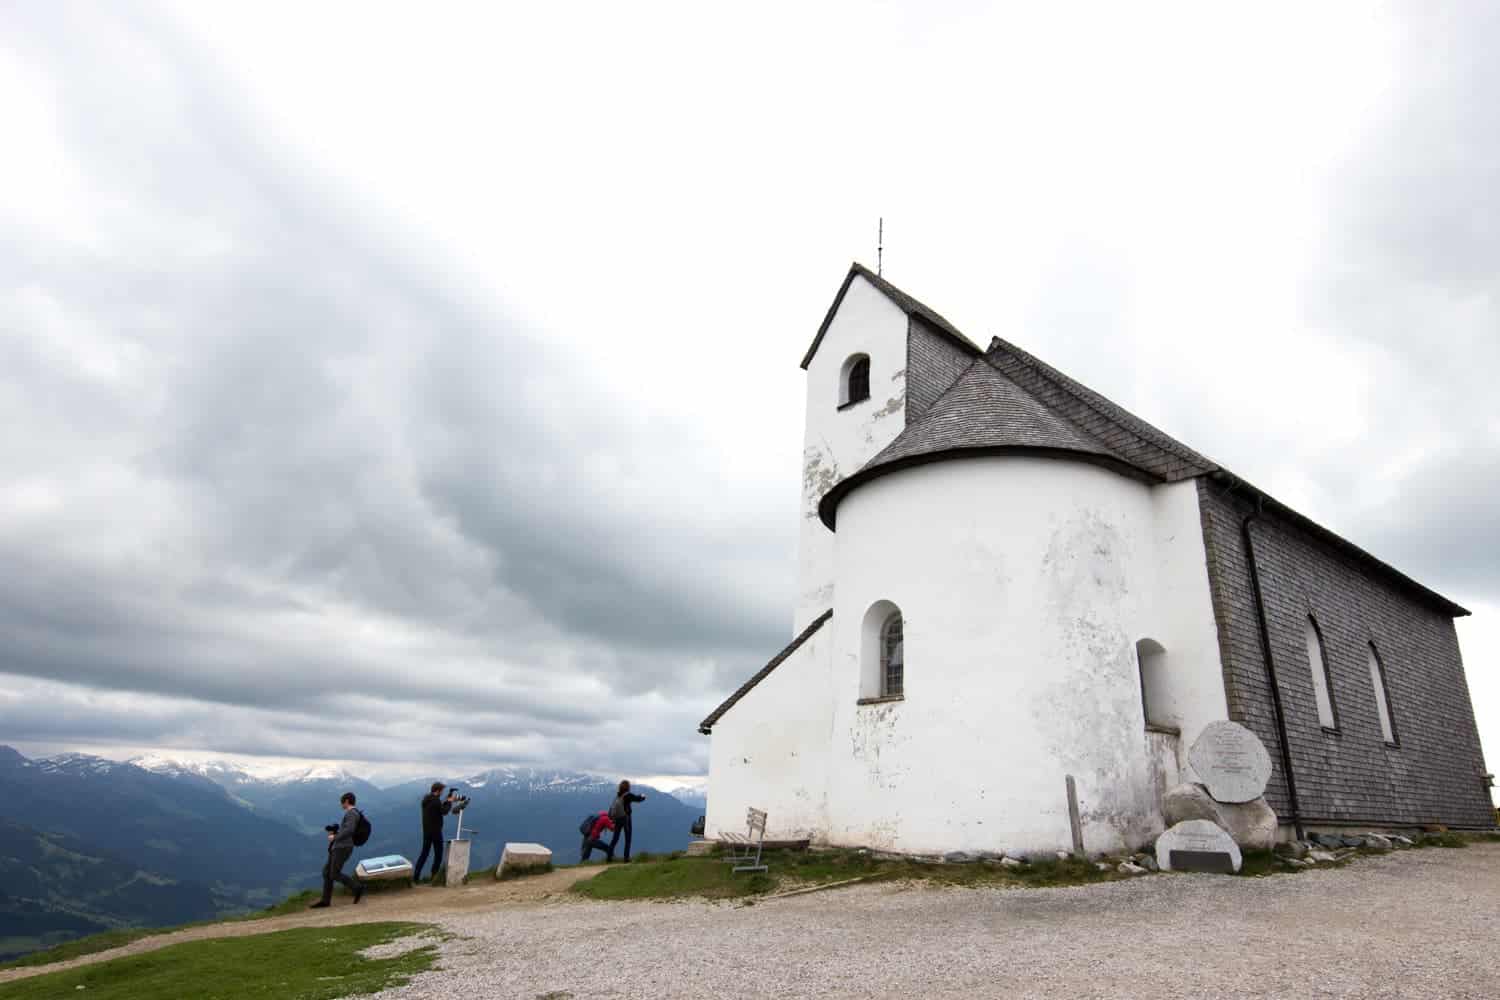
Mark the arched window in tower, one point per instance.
(854, 380)
(1318, 664)
(892, 657)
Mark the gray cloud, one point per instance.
(282, 468)
(1412, 276)
(279, 480)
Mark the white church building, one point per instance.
(1005, 579)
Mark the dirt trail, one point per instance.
(419, 905)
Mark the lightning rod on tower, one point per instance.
(880, 248)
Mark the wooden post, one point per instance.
(1073, 819)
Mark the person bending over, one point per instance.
(434, 808)
(591, 840)
(619, 812)
(340, 846)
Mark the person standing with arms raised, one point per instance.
(619, 812)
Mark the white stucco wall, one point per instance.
(836, 443)
(771, 749)
(1182, 610)
(1025, 583)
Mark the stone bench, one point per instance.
(522, 859)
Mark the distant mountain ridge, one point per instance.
(168, 840)
(543, 805)
(54, 887)
(183, 826)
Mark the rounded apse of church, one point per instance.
(1023, 579)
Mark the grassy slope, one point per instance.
(711, 877)
(680, 877)
(310, 963)
(114, 939)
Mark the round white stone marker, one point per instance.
(1197, 845)
(1231, 761)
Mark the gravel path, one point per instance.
(1414, 924)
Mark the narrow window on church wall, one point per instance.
(1317, 663)
(892, 657)
(1151, 661)
(1382, 703)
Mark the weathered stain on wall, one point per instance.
(820, 471)
(876, 740)
(1092, 710)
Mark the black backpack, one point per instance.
(361, 831)
(587, 826)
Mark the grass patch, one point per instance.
(81, 946)
(677, 879)
(1446, 838)
(310, 963)
(712, 878)
(106, 940)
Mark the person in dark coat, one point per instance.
(592, 841)
(619, 812)
(434, 808)
(340, 846)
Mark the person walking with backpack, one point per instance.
(593, 828)
(433, 811)
(352, 831)
(619, 813)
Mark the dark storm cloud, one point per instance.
(309, 469)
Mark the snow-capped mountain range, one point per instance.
(230, 774)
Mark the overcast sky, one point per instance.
(413, 386)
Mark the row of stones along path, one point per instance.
(1410, 924)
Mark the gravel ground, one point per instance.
(1414, 924)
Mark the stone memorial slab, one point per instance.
(1231, 761)
(457, 863)
(1197, 845)
(518, 858)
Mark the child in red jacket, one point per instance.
(592, 839)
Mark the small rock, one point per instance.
(1320, 855)
(1292, 848)
(990, 855)
(1103, 866)
(1354, 841)
(1149, 863)
(958, 857)
(1403, 841)
(1377, 841)
(1126, 868)
(1012, 863)
(1063, 855)
(1298, 862)
(1327, 839)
